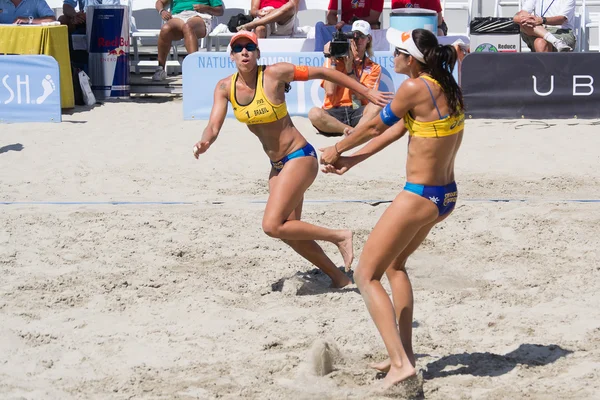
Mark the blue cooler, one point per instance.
(407, 19)
(108, 46)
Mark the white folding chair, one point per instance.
(589, 19)
(462, 5)
(231, 8)
(506, 3)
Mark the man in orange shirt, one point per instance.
(343, 109)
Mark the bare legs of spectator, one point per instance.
(261, 31)
(176, 29)
(326, 123)
(371, 110)
(545, 41)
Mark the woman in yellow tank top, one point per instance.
(429, 105)
(257, 95)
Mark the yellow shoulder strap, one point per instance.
(232, 90)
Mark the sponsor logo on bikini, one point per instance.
(450, 198)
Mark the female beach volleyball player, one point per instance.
(257, 94)
(429, 105)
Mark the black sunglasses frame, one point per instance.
(238, 48)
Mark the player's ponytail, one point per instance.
(439, 63)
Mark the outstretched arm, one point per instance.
(389, 116)
(216, 119)
(289, 72)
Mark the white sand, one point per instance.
(193, 301)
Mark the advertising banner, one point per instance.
(531, 85)
(29, 89)
(202, 71)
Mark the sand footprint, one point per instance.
(49, 88)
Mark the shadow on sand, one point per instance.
(489, 364)
(11, 147)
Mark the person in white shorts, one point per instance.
(272, 17)
(189, 20)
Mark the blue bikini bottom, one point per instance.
(306, 151)
(444, 197)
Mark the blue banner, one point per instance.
(202, 71)
(29, 89)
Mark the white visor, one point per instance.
(404, 41)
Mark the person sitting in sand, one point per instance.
(343, 109)
(257, 95)
(430, 106)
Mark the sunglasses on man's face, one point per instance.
(398, 51)
(237, 48)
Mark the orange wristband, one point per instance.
(300, 73)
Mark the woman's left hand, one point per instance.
(378, 98)
(329, 155)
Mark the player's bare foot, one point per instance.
(396, 375)
(342, 282)
(347, 250)
(383, 366)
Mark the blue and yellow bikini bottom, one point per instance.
(444, 197)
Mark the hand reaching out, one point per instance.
(200, 148)
(378, 98)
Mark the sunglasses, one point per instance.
(398, 51)
(237, 48)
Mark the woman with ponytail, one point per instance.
(429, 106)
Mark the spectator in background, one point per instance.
(547, 26)
(343, 108)
(24, 12)
(434, 5)
(75, 20)
(352, 10)
(272, 17)
(189, 20)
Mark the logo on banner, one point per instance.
(486, 47)
(29, 89)
(536, 85)
(19, 88)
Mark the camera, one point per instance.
(340, 44)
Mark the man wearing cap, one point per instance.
(272, 17)
(343, 109)
(547, 25)
(189, 20)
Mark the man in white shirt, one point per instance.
(547, 25)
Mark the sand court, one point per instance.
(132, 270)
